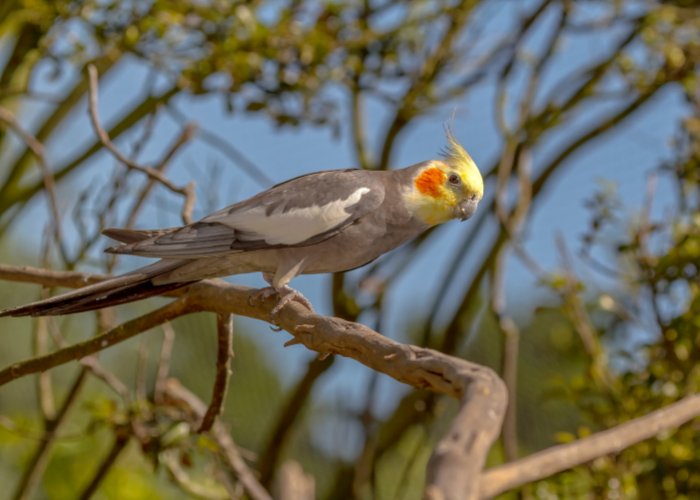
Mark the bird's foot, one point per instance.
(287, 295)
(262, 294)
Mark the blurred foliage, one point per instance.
(320, 63)
(649, 324)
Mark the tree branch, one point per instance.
(98, 343)
(120, 442)
(166, 351)
(32, 474)
(295, 484)
(188, 191)
(224, 328)
(228, 449)
(183, 138)
(37, 148)
(560, 458)
(455, 467)
(287, 417)
(481, 392)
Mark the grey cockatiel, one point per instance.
(325, 222)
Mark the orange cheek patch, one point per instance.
(430, 181)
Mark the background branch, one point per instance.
(224, 329)
(188, 192)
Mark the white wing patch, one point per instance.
(291, 227)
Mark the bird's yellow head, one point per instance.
(446, 189)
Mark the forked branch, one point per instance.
(455, 469)
(155, 174)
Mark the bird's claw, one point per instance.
(288, 295)
(262, 294)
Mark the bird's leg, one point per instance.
(266, 292)
(287, 294)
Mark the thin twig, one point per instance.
(37, 148)
(141, 384)
(483, 395)
(182, 139)
(107, 377)
(98, 343)
(581, 320)
(560, 458)
(511, 223)
(120, 442)
(455, 468)
(510, 353)
(227, 447)
(645, 225)
(166, 351)
(170, 459)
(227, 149)
(224, 328)
(358, 128)
(287, 416)
(44, 387)
(295, 484)
(32, 474)
(47, 402)
(188, 191)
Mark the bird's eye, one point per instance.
(454, 179)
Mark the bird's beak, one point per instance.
(465, 209)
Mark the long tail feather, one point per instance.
(134, 236)
(129, 287)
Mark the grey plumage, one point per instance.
(325, 222)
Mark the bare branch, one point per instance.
(225, 147)
(358, 128)
(295, 484)
(67, 279)
(183, 138)
(481, 392)
(188, 191)
(32, 474)
(95, 344)
(120, 442)
(192, 487)
(287, 416)
(230, 453)
(166, 351)
(107, 377)
(44, 387)
(224, 328)
(560, 458)
(49, 278)
(141, 389)
(37, 148)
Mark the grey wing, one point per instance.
(299, 212)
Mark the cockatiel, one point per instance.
(325, 222)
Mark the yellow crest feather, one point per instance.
(457, 157)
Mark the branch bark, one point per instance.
(560, 458)
(288, 417)
(98, 343)
(228, 449)
(455, 469)
(40, 459)
(224, 328)
(481, 392)
(156, 175)
(120, 442)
